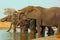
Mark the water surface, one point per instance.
(15, 36)
(18, 35)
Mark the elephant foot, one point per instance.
(26, 31)
(42, 35)
(50, 31)
(14, 30)
(39, 33)
(42, 31)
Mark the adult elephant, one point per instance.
(56, 10)
(49, 17)
(34, 13)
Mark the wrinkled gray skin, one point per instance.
(49, 17)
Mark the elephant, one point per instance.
(51, 18)
(33, 13)
(16, 21)
(11, 18)
(43, 16)
(48, 16)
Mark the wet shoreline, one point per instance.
(15, 36)
(4, 35)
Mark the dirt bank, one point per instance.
(4, 25)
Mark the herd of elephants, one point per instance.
(36, 18)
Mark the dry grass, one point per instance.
(4, 25)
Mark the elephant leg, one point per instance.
(50, 31)
(14, 26)
(58, 30)
(38, 31)
(9, 28)
(35, 31)
(20, 29)
(42, 31)
(38, 27)
(24, 29)
(31, 29)
(33, 26)
(27, 27)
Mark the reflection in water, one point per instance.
(16, 36)
(32, 36)
(20, 36)
(24, 36)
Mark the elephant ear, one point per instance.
(33, 13)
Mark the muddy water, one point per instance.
(16, 36)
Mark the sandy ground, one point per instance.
(48, 38)
(4, 25)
